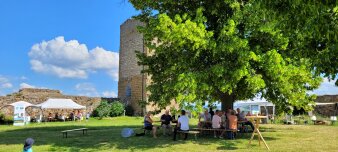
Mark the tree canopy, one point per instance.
(227, 50)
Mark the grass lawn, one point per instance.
(104, 135)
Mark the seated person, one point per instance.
(241, 117)
(232, 120)
(79, 115)
(223, 118)
(61, 117)
(206, 120)
(148, 124)
(56, 118)
(50, 117)
(182, 125)
(166, 119)
(217, 122)
(71, 116)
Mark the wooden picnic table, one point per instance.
(256, 120)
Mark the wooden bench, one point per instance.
(211, 130)
(233, 131)
(195, 133)
(79, 129)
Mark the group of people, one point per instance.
(208, 119)
(71, 116)
(182, 124)
(224, 120)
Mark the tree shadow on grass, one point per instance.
(98, 138)
(105, 138)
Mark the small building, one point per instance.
(256, 106)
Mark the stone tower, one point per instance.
(132, 84)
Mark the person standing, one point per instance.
(87, 116)
(182, 125)
(212, 113)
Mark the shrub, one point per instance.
(2, 118)
(6, 119)
(103, 110)
(116, 109)
(9, 120)
(129, 110)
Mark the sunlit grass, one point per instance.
(104, 135)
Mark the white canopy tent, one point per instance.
(60, 104)
(22, 103)
(26, 104)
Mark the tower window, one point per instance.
(128, 91)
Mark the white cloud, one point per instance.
(327, 88)
(5, 83)
(109, 94)
(114, 74)
(3, 79)
(70, 59)
(23, 78)
(25, 85)
(86, 89)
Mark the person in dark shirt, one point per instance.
(166, 119)
(212, 113)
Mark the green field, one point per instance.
(104, 135)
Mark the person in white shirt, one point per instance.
(182, 125)
(217, 122)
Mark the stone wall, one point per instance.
(130, 41)
(36, 96)
(327, 110)
(132, 84)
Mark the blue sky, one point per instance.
(69, 45)
(92, 23)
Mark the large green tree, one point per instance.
(227, 50)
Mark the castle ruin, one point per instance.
(132, 83)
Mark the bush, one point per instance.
(116, 109)
(6, 119)
(2, 118)
(103, 110)
(129, 110)
(9, 120)
(106, 109)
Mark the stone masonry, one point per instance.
(327, 110)
(132, 84)
(36, 96)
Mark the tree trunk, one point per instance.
(227, 101)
